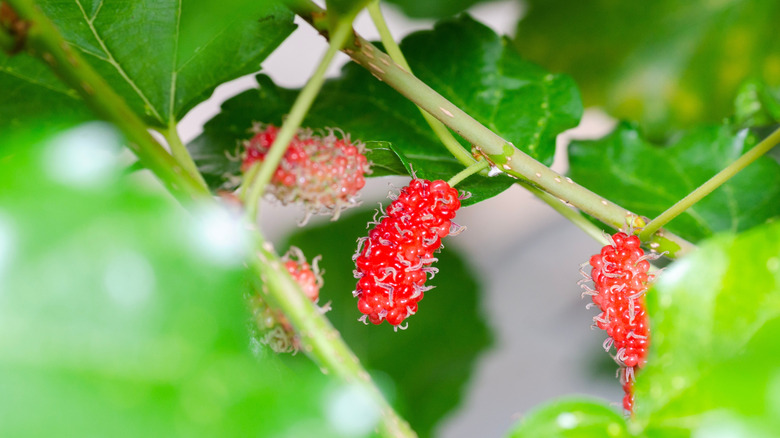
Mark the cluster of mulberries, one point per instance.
(274, 330)
(394, 261)
(324, 172)
(620, 278)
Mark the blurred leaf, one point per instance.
(757, 105)
(715, 318)
(432, 360)
(120, 317)
(674, 64)
(647, 179)
(433, 8)
(339, 9)
(162, 57)
(516, 99)
(571, 418)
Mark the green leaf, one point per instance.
(430, 362)
(433, 8)
(647, 179)
(571, 418)
(344, 9)
(715, 319)
(31, 92)
(162, 57)
(516, 99)
(385, 159)
(757, 105)
(673, 65)
(120, 314)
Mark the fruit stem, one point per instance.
(445, 136)
(44, 40)
(467, 172)
(293, 121)
(713, 183)
(512, 161)
(319, 340)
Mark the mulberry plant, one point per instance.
(123, 299)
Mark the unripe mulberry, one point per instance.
(274, 330)
(620, 278)
(394, 260)
(325, 173)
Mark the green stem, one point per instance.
(508, 158)
(708, 187)
(44, 40)
(569, 213)
(318, 338)
(181, 154)
(467, 172)
(445, 136)
(293, 121)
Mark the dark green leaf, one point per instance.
(121, 318)
(385, 160)
(163, 57)
(514, 98)
(572, 418)
(672, 65)
(647, 179)
(432, 360)
(31, 92)
(715, 319)
(434, 8)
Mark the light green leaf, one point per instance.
(715, 324)
(571, 418)
(162, 57)
(119, 317)
(430, 362)
(647, 179)
(671, 65)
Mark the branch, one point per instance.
(503, 154)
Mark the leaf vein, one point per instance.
(111, 60)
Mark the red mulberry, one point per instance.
(394, 261)
(274, 330)
(325, 173)
(620, 277)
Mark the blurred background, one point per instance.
(525, 255)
